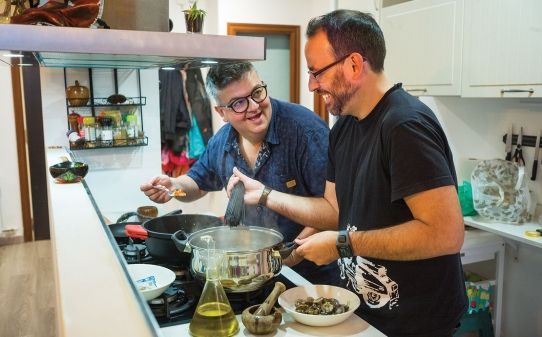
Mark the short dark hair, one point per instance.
(221, 75)
(350, 31)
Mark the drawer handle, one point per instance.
(414, 89)
(530, 91)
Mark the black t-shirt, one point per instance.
(399, 149)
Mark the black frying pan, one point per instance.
(157, 234)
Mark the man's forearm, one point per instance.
(315, 212)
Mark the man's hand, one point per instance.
(293, 259)
(253, 188)
(319, 248)
(155, 194)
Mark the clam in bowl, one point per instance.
(288, 299)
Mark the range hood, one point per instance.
(70, 47)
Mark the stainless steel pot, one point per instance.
(252, 254)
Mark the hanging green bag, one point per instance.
(465, 199)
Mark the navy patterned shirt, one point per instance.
(292, 159)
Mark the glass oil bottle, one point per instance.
(214, 316)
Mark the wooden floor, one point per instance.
(27, 290)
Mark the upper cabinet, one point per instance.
(424, 45)
(366, 6)
(503, 48)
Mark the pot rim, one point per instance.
(198, 234)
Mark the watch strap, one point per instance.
(344, 247)
(263, 197)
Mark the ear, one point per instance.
(220, 112)
(356, 65)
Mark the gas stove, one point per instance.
(178, 303)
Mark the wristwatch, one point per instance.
(263, 197)
(343, 244)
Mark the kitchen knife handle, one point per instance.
(535, 168)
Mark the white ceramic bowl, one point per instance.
(163, 277)
(344, 296)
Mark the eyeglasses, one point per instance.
(316, 73)
(240, 105)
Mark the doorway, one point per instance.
(281, 67)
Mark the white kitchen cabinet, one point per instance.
(424, 45)
(366, 6)
(503, 48)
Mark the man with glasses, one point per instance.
(281, 144)
(391, 177)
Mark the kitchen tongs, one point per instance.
(235, 211)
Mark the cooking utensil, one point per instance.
(174, 194)
(536, 156)
(235, 209)
(157, 234)
(508, 147)
(263, 318)
(251, 259)
(518, 154)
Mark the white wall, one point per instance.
(10, 199)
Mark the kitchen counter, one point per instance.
(94, 295)
(514, 232)
(353, 326)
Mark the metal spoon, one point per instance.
(175, 193)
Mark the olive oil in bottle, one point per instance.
(214, 316)
(214, 319)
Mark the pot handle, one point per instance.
(180, 238)
(126, 216)
(136, 232)
(287, 248)
(236, 206)
(175, 212)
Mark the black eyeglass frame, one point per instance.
(316, 73)
(230, 106)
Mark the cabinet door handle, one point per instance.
(530, 91)
(416, 90)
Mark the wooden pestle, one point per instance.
(267, 305)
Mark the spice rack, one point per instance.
(122, 131)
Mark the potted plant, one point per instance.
(194, 18)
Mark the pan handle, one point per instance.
(236, 205)
(180, 238)
(287, 248)
(126, 216)
(175, 212)
(136, 232)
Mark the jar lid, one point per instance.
(131, 118)
(106, 121)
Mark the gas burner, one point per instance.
(136, 253)
(173, 302)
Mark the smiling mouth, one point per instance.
(254, 116)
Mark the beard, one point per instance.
(341, 94)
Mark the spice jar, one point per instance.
(107, 131)
(73, 121)
(89, 125)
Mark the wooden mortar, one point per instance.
(264, 318)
